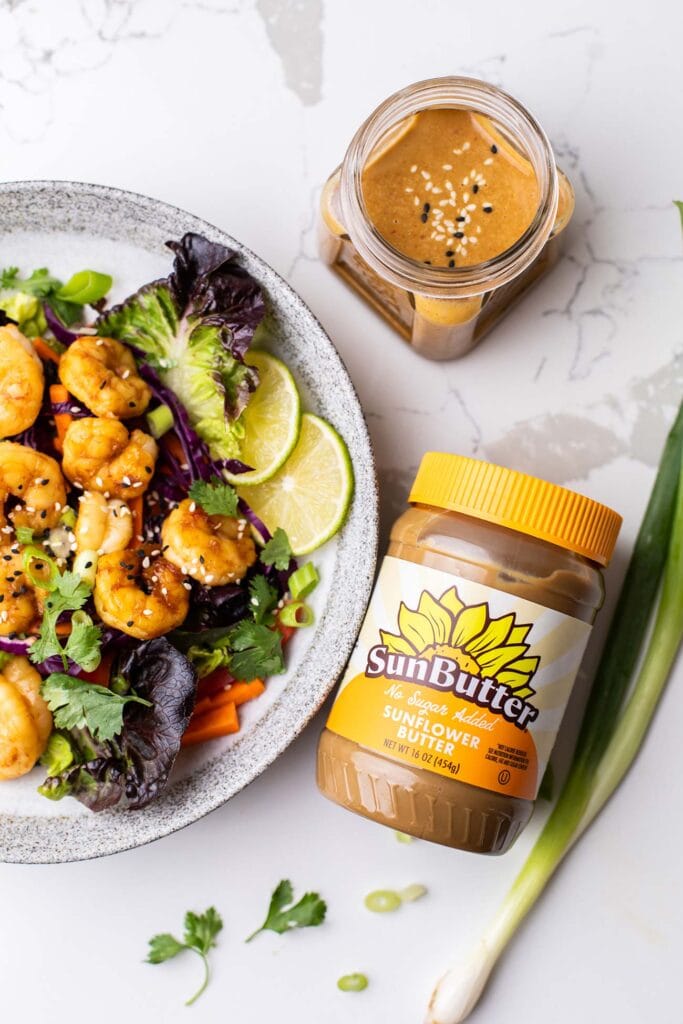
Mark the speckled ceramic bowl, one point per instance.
(67, 226)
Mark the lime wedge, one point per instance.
(271, 420)
(310, 495)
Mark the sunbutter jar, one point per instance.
(449, 709)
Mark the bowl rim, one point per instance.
(51, 839)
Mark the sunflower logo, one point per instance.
(480, 645)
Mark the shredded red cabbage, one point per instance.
(59, 330)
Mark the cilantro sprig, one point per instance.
(284, 915)
(200, 931)
(77, 704)
(278, 550)
(67, 593)
(215, 496)
(263, 598)
(256, 651)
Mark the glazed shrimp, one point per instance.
(36, 481)
(212, 549)
(101, 455)
(20, 601)
(103, 525)
(102, 373)
(140, 593)
(21, 382)
(25, 721)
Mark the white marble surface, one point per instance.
(237, 110)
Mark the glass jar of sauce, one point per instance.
(448, 206)
(448, 711)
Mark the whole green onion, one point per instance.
(610, 735)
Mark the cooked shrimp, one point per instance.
(102, 373)
(102, 525)
(21, 382)
(101, 455)
(212, 549)
(27, 680)
(36, 480)
(25, 721)
(20, 602)
(140, 593)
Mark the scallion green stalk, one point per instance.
(610, 735)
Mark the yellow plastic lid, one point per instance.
(517, 501)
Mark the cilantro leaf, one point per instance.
(24, 534)
(68, 593)
(163, 947)
(262, 600)
(201, 929)
(200, 936)
(307, 913)
(215, 497)
(40, 284)
(83, 644)
(77, 704)
(8, 277)
(277, 551)
(257, 651)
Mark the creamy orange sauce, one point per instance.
(447, 189)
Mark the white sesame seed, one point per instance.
(193, 507)
(425, 175)
(125, 375)
(413, 169)
(98, 481)
(138, 483)
(74, 409)
(209, 577)
(416, 200)
(164, 591)
(188, 586)
(447, 167)
(489, 160)
(410, 190)
(146, 611)
(146, 562)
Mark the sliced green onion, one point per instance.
(85, 566)
(24, 534)
(352, 983)
(160, 420)
(610, 735)
(85, 287)
(32, 554)
(303, 581)
(58, 754)
(413, 892)
(382, 901)
(296, 614)
(403, 837)
(68, 517)
(119, 685)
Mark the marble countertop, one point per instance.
(237, 110)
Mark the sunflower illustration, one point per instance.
(478, 644)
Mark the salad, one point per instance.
(158, 484)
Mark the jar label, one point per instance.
(459, 678)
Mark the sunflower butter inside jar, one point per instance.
(449, 708)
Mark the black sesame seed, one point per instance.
(451, 263)
(45, 482)
(130, 623)
(458, 234)
(20, 487)
(487, 209)
(148, 469)
(423, 218)
(428, 262)
(494, 149)
(460, 219)
(426, 207)
(7, 558)
(475, 188)
(88, 565)
(43, 514)
(131, 405)
(449, 252)
(2, 598)
(103, 384)
(39, 566)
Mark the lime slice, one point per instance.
(310, 495)
(271, 420)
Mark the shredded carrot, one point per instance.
(174, 446)
(238, 693)
(209, 726)
(44, 351)
(58, 393)
(63, 629)
(136, 511)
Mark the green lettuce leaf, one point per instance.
(194, 328)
